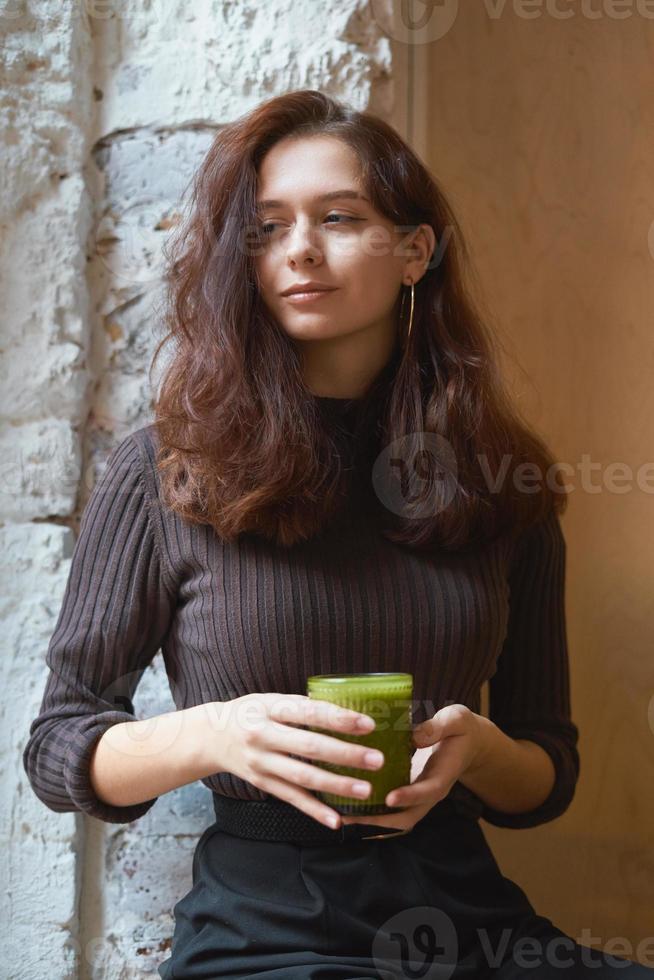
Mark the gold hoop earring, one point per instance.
(408, 334)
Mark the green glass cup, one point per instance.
(386, 697)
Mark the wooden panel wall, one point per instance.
(542, 133)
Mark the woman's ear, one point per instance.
(421, 249)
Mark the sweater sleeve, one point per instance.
(115, 613)
(529, 693)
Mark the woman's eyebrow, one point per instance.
(331, 196)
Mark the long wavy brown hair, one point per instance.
(244, 446)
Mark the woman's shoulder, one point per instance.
(539, 541)
(146, 437)
(145, 442)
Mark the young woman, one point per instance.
(326, 354)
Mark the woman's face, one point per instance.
(341, 242)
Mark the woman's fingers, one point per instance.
(275, 750)
(299, 709)
(454, 719)
(440, 772)
(315, 745)
(291, 793)
(311, 777)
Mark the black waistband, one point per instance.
(276, 820)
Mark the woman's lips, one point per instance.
(309, 297)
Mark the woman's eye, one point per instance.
(269, 226)
(346, 217)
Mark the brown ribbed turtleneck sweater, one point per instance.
(234, 618)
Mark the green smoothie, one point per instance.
(386, 697)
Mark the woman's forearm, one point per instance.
(135, 761)
(511, 775)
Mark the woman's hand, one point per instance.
(261, 742)
(458, 747)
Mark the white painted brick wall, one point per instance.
(106, 111)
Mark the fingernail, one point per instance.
(374, 758)
(365, 724)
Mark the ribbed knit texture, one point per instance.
(235, 618)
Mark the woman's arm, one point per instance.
(137, 761)
(531, 762)
(117, 608)
(511, 775)
(519, 767)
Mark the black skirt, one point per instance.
(430, 905)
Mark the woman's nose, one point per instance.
(302, 241)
